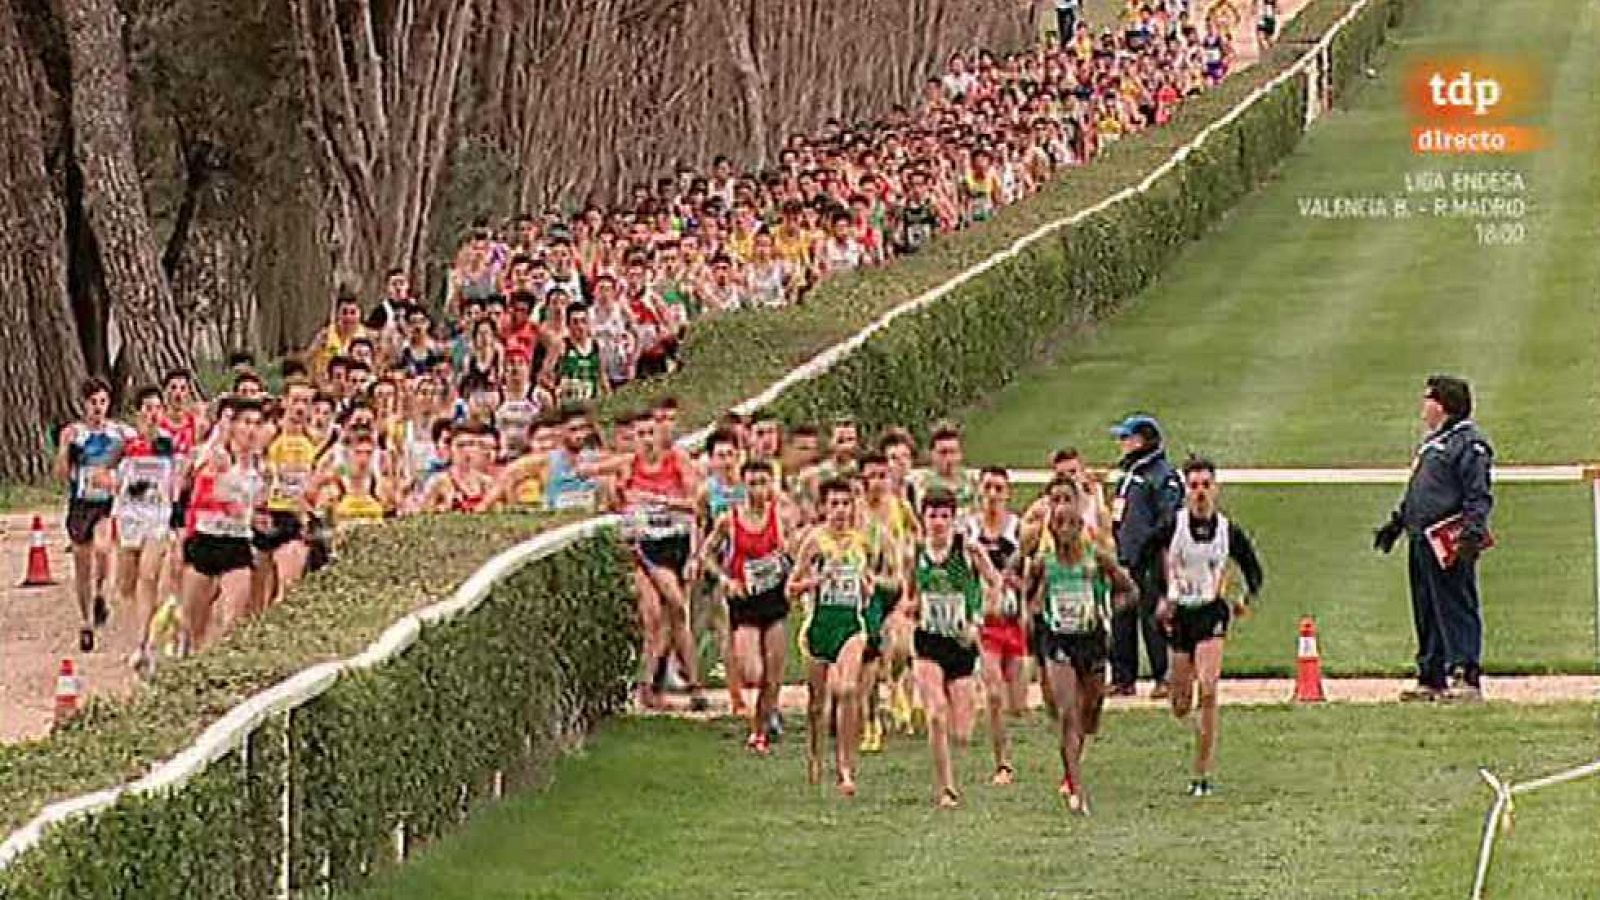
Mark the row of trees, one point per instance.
(184, 177)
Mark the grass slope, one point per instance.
(1288, 340)
(665, 809)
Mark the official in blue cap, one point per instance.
(1149, 493)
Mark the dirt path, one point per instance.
(39, 628)
(1535, 689)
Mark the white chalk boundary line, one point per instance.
(1502, 474)
(229, 732)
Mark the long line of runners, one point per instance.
(919, 583)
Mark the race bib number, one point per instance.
(944, 614)
(574, 390)
(1010, 605)
(574, 500)
(95, 483)
(763, 574)
(841, 586)
(1073, 611)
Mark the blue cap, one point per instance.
(1138, 423)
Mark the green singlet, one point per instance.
(578, 374)
(1077, 597)
(948, 592)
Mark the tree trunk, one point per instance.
(40, 363)
(113, 196)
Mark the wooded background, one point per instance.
(184, 178)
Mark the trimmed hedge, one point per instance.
(913, 371)
(505, 688)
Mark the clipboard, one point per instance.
(1444, 536)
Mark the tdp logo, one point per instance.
(1465, 91)
(1473, 104)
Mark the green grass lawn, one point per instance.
(1336, 802)
(1287, 340)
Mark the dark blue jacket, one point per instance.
(1148, 496)
(1450, 474)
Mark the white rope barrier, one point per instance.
(1502, 811)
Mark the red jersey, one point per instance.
(756, 549)
(664, 479)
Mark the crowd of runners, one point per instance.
(913, 584)
(987, 132)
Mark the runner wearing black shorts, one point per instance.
(951, 586)
(745, 554)
(1076, 585)
(1196, 613)
(90, 450)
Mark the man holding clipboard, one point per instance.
(1445, 514)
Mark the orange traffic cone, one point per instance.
(1308, 680)
(67, 690)
(38, 557)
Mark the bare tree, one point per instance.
(379, 87)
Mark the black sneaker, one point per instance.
(698, 702)
(1201, 787)
(774, 726)
(102, 611)
(86, 640)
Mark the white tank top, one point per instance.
(1197, 568)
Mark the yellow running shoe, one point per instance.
(900, 707)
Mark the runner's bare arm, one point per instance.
(63, 464)
(804, 580)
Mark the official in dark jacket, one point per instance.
(1450, 475)
(1148, 495)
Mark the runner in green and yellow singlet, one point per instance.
(832, 571)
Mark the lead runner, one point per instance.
(1195, 612)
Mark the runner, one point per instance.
(568, 472)
(832, 571)
(355, 492)
(899, 448)
(944, 471)
(719, 492)
(745, 554)
(290, 462)
(658, 493)
(228, 485)
(147, 480)
(1196, 610)
(1002, 640)
(952, 586)
(1075, 585)
(87, 461)
(890, 526)
(578, 372)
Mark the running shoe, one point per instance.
(774, 726)
(1123, 690)
(762, 746)
(697, 701)
(949, 799)
(1201, 787)
(86, 640)
(102, 611)
(1466, 693)
(1003, 775)
(847, 784)
(1078, 803)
